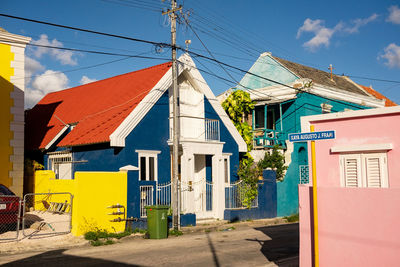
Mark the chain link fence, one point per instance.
(47, 214)
(10, 210)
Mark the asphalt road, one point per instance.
(244, 246)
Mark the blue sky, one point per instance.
(358, 38)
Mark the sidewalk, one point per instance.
(70, 241)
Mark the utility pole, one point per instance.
(175, 90)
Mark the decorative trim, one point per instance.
(128, 168)
(362, 148)
(66, 127)
(306, 120)
(148, 152)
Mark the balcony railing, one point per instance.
(266, 138)
(198, 129)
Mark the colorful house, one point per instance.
(126, 122)
(283, 92)
(358, 190)
(12, 85)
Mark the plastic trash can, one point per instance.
(157, 221)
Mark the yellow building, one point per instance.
(12, 85)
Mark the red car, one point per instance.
(9, 206)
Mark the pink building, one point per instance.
(358, 180)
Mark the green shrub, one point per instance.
(292, 218)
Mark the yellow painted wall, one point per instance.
(93, 192)
(6, 87)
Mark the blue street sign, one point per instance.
(304, 137)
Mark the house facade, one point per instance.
(287, 92)
(12, 84)
(125, 122)
(358, 190)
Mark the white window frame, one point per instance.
(64, 158)
(362, 168)
(147, 154)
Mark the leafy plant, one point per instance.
(292, 218)
(237, 105)
(248, 189)
(103, 237)
(175, 232)
(274, 160)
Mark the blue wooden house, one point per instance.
(125, 122)
(291, 91)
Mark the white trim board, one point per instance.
(361, 148)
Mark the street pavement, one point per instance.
(240, 245)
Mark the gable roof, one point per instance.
(388, 102)
(321, 77)
(96, 109)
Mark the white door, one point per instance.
(202, 191)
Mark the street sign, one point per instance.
(313, 136)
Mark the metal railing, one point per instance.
(268, 138)
(211, 130)
(209, 196)
(303, 174)
(47, 214)
(163, 196)
(235, 195)
(146, 199)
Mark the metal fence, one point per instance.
(163, 196)
(47, 214)
(146, 199)
(10, 211)
(211, 129)
(209, 195)
(303, 174)
(235, 195)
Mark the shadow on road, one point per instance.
(57, 258)
(283, 248)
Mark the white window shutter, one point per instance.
(352, 172)
(376, 170)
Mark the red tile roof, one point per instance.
(388, 103)
(96, 108)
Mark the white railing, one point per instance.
(163, 196)
(211, 130)
(235, 195)
(146, 199)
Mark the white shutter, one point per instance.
(376, 170)
(352, 173)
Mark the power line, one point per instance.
(372, 79)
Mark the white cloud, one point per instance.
(31, 67)
(64, 57)
(49, 81)
(323, 35)
(391, 55)
(394, 15)
(360, 22)
(86, 79)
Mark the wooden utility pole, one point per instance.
(175, 148)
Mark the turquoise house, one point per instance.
(285, 91)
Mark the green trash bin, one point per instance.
(157, 221)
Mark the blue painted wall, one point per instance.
(304, 105)
(266, 66)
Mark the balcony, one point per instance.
(197, 129)
(267, 138)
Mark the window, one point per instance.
(61, 164)
(226, 168)
(364, 170)
(148, 167)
